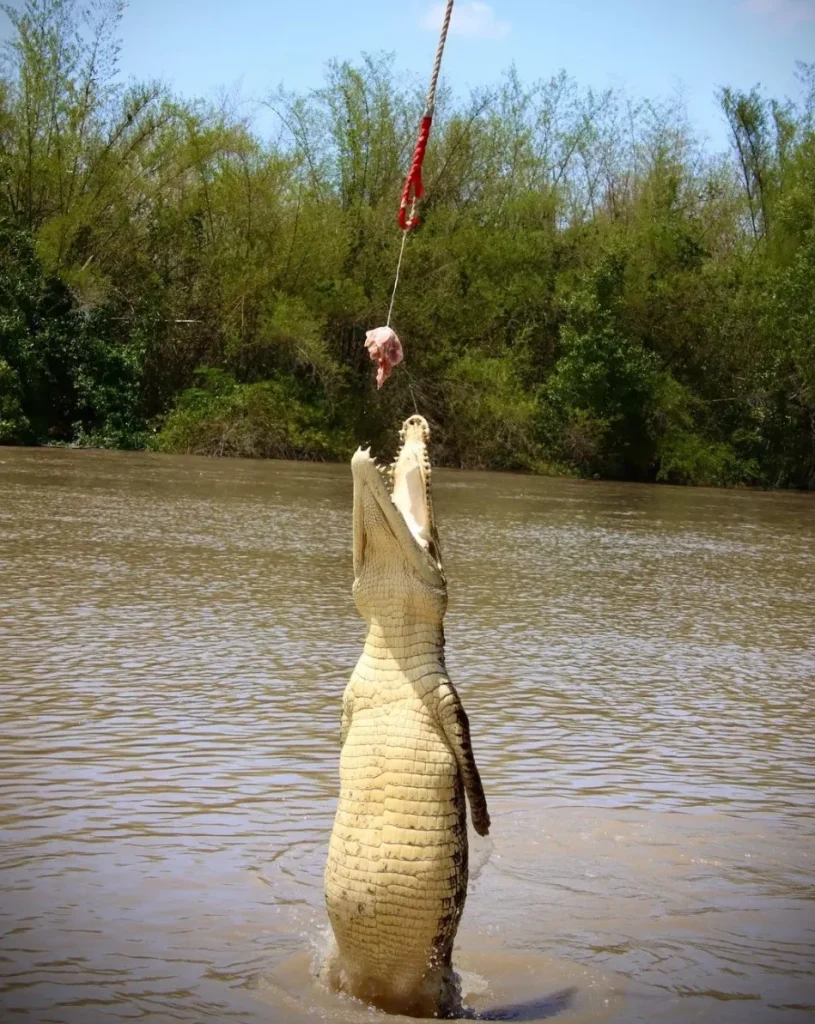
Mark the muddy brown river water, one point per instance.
(638, 664)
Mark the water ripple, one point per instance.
(639, 668)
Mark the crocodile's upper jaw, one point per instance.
(393, 508)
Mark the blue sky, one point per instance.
(651, 47)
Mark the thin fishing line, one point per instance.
(396, 282)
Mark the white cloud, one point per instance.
(476, 20)
(782, 14)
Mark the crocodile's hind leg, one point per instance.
(441, 986)
(441, 993)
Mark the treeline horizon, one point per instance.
(591, 291)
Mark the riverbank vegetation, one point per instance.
(591, 290)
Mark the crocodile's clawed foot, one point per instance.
(481, 823)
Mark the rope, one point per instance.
(434, 78)
(396, 282)
(414, 177)
(414, 188)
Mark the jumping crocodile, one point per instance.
(396, 877)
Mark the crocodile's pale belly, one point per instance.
(396, 877)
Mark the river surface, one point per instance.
(638, 664)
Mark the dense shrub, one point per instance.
(590, 290)
(261, 420)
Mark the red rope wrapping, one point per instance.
(414, 178)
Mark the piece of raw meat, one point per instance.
(385, 350)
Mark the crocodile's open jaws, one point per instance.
(393, 507)
(396, 877)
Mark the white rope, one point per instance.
(430, 103)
